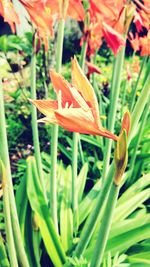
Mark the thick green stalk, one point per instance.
(115, 89)
(133, 95)
(5, 158)
(35, 124)
(74, 171)
(105, 227)
(75, 147)
(83, 54)
(54, 133)
(142, 125)
(139, 107)
(92, 220)
(7, 218)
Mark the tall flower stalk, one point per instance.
(137, 83)
(34, 121)
(7, 218)
(54, 133)
(120, 161)
(115, 90)
(5, 158)
(75, 150)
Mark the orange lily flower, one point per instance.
(96, 31)
(138, 21)
(63, 8)
(41, 17)
(108, 19)
(112, 12)
(145, 44)
(114, 40)
(143, 10)
(77, 108)
(134, 41)
(8, 13)
(43, 13)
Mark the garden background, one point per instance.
(78, 194)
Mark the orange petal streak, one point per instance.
(60, 84)
(47, 107)
(82, 84)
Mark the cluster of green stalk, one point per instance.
(109, 190)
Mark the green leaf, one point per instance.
(3, 43)
(66, 216)
(22, 203)
(134, 189)
(88, 203)
(45, 223)
(28, 232)
(125, 209)
(129, 224)
(143, 257)
(126, 240)
(122, 242)
(90, 139)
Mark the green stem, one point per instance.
(54, 133)
(59, 48)
(76, 139)
(92, 220)
(83, 54)
(123, 97)
(105, 227)
(115, 89)
(147, 68)
(142, 125)
(133, 95)
(5, 158)
(35, 124)
(74, 171)
(7, 218)
(139, 107)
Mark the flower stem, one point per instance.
(54, 133)
(115, 89)
(92, 220)
(76, 139)
(133, 95)
(139, 107)
(134, 153)
(5, 158)
(35, 124)
(105, 227)
(7, 218)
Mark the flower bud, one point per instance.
(120, 156)
(126, 122)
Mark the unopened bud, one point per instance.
(126, 122)
(129, 10)
(120, 157)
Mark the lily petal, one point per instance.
(10, 16)
(47, 107)
(78, 120)
(82, 84)
(113, 38)
(69, 94)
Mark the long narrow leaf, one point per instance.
(39, 206)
